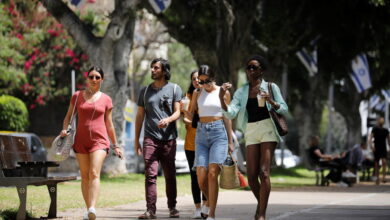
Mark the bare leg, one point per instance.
(83, 160)
(267, 151)
(253, 170)
(201, 173)
(376, 172)
(384, 169)
(213, 173)
(96, 162)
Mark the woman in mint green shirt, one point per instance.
(251, 105)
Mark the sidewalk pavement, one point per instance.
(363, 201)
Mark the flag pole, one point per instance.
(73, 77)
(330, 121)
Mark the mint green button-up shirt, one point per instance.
(237, 107)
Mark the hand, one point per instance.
(223, 89)
(118, 152)
(163, 123)
(137, 148)
(231, 147)
(64, 133)
(265, 96)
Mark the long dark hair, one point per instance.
(191, 88)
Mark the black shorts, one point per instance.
(379, 154)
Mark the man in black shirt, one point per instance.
(379, 134)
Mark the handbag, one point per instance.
(279, 120)
(195, 120)
(229, 174)
(62, 145)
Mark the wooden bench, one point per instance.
(17, 169)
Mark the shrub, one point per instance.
(13, 114)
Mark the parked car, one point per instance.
(289, 159)
(34, 143)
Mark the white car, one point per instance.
(181, 159)
(289, 159)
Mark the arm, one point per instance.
(193, 107)
(111, 133)
(176, 114)
(234, 106)
(66, 121)
(278, 104)
(228, 124)
(388, 139)
(370, 142)
(323, 156)
(139, 120)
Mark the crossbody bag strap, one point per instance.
(173, 98)
(271, 91)
(145, 96)
(74, 109)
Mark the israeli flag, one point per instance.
(159, 5)
(309, 60)
(386, 94)
(76, 3)
(380, 106)
(374, 100)
(361, 73)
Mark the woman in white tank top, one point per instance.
(212, 141)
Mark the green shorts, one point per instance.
(259, 132)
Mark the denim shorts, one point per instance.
(211, 143)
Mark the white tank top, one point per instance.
(209, 104)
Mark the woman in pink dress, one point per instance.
(94, 132)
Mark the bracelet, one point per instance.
(115, 146)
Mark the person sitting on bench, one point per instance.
(333, 162)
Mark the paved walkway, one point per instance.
(363, 201)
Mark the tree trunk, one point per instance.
(308, 111)
(111, 53)
(346, 102)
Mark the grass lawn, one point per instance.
(125, 189)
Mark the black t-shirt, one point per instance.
(380, 135)
(314, 157)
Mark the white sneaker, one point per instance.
(342, 184)
(348, 174)
(91, 213)
(197, 214)
(205, 210)
(85, 217)
(209, 218)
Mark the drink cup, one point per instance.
(186, 104)
(260, 100)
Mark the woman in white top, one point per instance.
(212, 141)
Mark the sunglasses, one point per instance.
(253, 67)
(96, 77)
(202, 82)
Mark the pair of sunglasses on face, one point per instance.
(202, 82)
(96, 77)
(253, 67)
